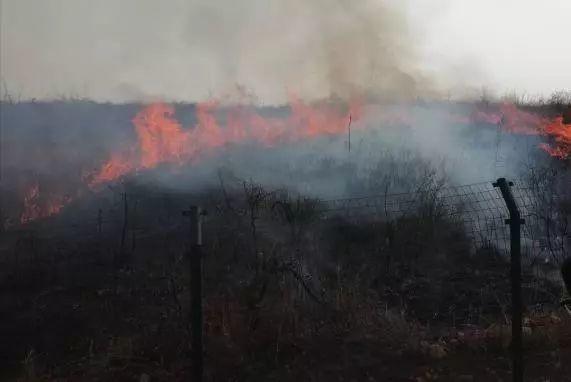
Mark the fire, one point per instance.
(37, 207)
(162, 139)
(511, 119)
(517, 121)
(31, 208)
(561, 132)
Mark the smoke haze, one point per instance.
(190, 50)
(257, 51)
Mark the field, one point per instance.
(379, 257)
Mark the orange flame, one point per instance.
(36, 208)
(31, 209)
(511, 119)
(161, 138)
(562, 135)
(517, 121)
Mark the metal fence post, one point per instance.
(515, 221)
(196, 314)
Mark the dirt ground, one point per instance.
(98, 327)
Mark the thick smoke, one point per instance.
(191, 50)
(255, 50)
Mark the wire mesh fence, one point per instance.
(478, 207)
(129, 219)
(481, 210)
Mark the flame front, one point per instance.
(561, 132)
(162, 139)
(517, 121)
(36, 207)
(31, 207)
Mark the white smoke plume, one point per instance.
(133, 50)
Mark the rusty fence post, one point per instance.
(196, 313)
(515, 221)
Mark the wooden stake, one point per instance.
(196, 314)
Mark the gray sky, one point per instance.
(506, 45)
(193, 49)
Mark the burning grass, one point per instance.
(292, 291)
(159, 138)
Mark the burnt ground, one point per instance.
(419, 308)
(91, 321)
(289, 295)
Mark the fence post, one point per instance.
(515, 221)
(124, 228)
(196, 315)
(99, 231)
